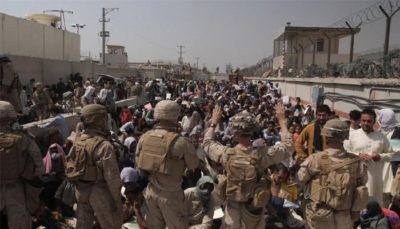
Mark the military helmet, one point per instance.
(335, 128)
(167, 110)
(7, 111)
(244, 123)
(93, 110)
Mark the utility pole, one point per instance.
(180, 60)
(105, 33)
(197, 62)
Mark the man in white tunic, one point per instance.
(374, 149)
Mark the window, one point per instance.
(320, 45)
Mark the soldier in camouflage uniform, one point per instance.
(42, 101)
(247, 189)
(92, 166)
(163, 156)
(20, 159)
(335, 180)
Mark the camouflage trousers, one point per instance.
(96, 202)
(12, 200)
(237, 216)
(165, 209)
(327, 218)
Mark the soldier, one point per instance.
(163, 156)
(335, 182)
(92, 166)
(10, 86)
(20, 159)
(247, 187)
(42, 101)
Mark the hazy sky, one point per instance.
(219, 32)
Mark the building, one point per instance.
(297, 47)
(116, 57)
(37, 37)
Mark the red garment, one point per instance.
(126, 116)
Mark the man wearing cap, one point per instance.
(247, 187)
(42, 101)
(163, 156)
(20, 159)
(335, 182)
(98, 188)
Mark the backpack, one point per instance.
(11, 163)
(336, 184)
(80, 163)
(243, 178)
(152, 153)
(393, 218)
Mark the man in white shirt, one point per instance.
(374, 149)
(87, 97)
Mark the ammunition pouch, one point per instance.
(360, 198)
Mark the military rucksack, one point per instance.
(80, 164)
(336, 184)
(153, 152)
(244, 181)
(11, 162)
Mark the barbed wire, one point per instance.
(368, 15)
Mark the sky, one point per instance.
(217, 31)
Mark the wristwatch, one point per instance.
(213, 125)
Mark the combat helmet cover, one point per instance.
(167, 110)
(7, 111)
(90, 111)
(335, 128)
(244, 123)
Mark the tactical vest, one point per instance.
(11, 161)
(336, 184)
(154, 153)
(80, 164)
(244, 181)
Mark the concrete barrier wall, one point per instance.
(302, 87)
(49, 71)
(22, 37)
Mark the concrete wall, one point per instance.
(49, 71)
(21, 37)
(302, 87)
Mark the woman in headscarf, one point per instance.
(200, 204)
(54, 161)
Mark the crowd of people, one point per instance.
(198, 154)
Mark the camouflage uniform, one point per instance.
(164, 195)
(333, 167)
(101, 197)
(42, 101)
(20, 158)
(244, 214)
